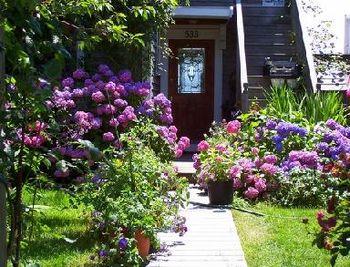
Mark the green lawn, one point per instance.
(54, 221)
(281, 239)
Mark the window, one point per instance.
(347, 34)
(191, 70)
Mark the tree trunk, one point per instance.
(3, 256)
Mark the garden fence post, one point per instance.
(3, 256)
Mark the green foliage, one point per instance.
(282, 101)
(304, 188)
(132, 193)
(323, 105)
(294, 106)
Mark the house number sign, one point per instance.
(276, 3)
(191, 34)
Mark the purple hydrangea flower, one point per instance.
(79, 74)
(78, 93)
(125, 76)
(271, 124)
(108, 137)
(68, 82)
(98, 97)
(251, 193)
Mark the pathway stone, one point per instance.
(211, 240)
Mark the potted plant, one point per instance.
(216, 155)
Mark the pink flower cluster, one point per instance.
(252, 177)
(203, 146)
(35, 136)
(169, 134)
(233, 127)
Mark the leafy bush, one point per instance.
(135, 191)
(304, 188)
(291, 105)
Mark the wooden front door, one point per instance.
(191, 86)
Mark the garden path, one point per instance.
(211, 239)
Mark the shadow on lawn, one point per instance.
(50, 243)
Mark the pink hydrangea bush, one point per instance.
(102, 106)
(256, 178)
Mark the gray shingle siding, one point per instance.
(211, 2)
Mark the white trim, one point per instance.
(214, 32)
(347, 35)
(203, 12)
(218, 78)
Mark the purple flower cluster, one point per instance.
(162, 105)
(336, 141)
(301, 160)
(101, 103)
(282, 130)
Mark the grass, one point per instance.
(280, 238)
(55, 220)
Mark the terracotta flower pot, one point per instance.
(220, 192)
(143, 243)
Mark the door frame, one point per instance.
(205, 32)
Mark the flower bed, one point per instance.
(106, 135)
(288, 163)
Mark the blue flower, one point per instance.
(103, 253)
(323, 146)
(123, 242)
(277, 139)
(279, 147)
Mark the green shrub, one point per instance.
(288, 104)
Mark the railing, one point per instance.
(303, 44)
(241, 63)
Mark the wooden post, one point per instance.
(3, 256)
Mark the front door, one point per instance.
(191, 86)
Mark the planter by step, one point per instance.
(220, 192)
(143, 243)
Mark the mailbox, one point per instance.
(282, 69)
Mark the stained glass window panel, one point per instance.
(191, 70)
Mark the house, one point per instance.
(220, 48)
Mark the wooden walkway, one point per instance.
(211, 239)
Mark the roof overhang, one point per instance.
(203, 12)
